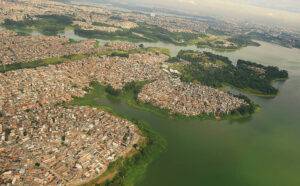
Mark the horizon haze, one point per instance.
(285, 13)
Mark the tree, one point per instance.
(110, 90)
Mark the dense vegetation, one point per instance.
(270, 72)
(214, 70)
(51, 61)
(130, 170)
(125, 35)
(41, 62)
(216, 44)
(111, 91)
(142, 33)
(246, 109)
(156, 50)
(100, 24)
(156, 33)
(120, 53)
(62, 59)
(196, 57)
(127, 171)
(225, 43)
(243, 41)
(283, 39)
(45, 24)
(130, 94)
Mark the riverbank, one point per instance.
(259, 93)
(249, 91)
(130, 168)
(129, 95)
(216, 70)
(207, 149)
(42, 62)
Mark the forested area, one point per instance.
(142, 33)
(208, 69)
(243, 41)
(45, 24)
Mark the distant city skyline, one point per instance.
(279, 12)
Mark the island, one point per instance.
(218, 42)
(45, 24)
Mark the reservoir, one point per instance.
(262, 150)
(259, 151)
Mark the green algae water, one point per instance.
(259, 151)
(263, 150)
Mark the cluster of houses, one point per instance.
(43, 143)
(22, 9)
(53, 145)
(10, 10)
(176, 24)
(6, 33)
(119, 71)
(20, 49)
(29, 88)
(47, 144)
(85, 16)
(123, 46)
(188, 99)
(90, 26)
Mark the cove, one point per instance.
(259, 151)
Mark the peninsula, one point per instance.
(53, 128)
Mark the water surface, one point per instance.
(263, 150)
(259, 151)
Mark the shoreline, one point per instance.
(255, 92)
(97, 90)
(131, 166)
(130, 169)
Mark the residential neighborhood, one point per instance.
(92, 92)
(20, 49)
(188, 99)
(57, 146)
